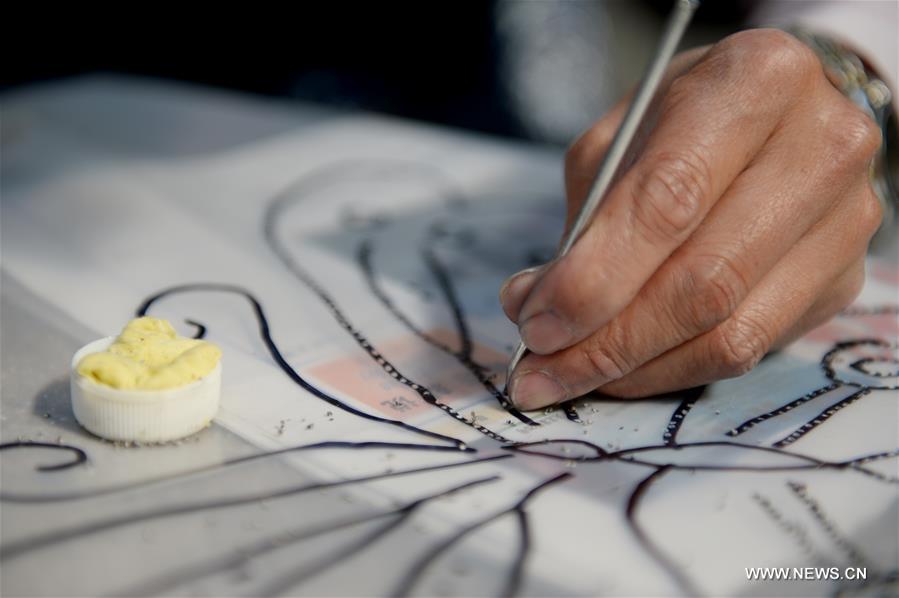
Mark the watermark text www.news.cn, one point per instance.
(805, 573)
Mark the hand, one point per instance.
(740, 221)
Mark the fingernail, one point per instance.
(545, 333)
(534, 389)
(516, 288)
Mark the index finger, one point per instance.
(713, 121)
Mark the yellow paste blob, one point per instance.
(149, 355)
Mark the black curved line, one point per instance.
(623, 456)
(280, 586)
(330, 444)
(872, 457)
(445, 284)
(669, 436)
(265, 333)
(660, 557)
(17, 549)
(513, 581)
(827, 359)
(448, 291)
(876, 475)
(820, 418)
(242, 556)
(172, 579)
(619, 455)
(859, 366)
(80, 455)
(417, 570)
(200, 328)
(516, 575)
(463, 356)
(279, 204)
(364, 260)
(751, 423)
(711, 443)
(521, 447)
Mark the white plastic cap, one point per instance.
(142, 415)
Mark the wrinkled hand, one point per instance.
(741, 221)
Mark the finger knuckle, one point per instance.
(739, 345)
(776, 57)
(855, 136)
(604, 362)
(669, 193)
(714, 285)
(684, 89)
(871, 215)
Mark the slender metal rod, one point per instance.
(674, 31)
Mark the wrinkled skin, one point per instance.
(740, 221)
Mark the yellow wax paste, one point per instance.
(149, 355)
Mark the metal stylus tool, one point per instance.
(674, 30)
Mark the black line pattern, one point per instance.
(641, 456)
(272, 216)
(862, 366)
(17, 549)
(200, 331)
(79, 455)
(449, 294)
(331, 444)
(447, 290)
(624, 455)
(633, 503)
(751, 423)
(513, 582)
(172, 579)
(464, 354)
(627, 455)
(669, 437)
(858, 463)
(874, 457)
(265, 333)
(827, 362)
(821, 418)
